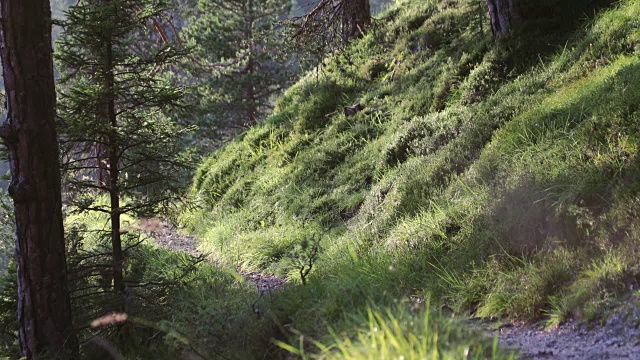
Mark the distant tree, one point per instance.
(236, 59)
(44, 311)
(115, 97)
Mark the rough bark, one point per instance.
(44, 311)
(503, 13)
(356, 16)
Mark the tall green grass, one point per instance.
(402, 332)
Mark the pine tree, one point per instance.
(118, 140)
(237, 60)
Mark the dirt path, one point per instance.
(571, 342)
(167, 236)
(619, 338)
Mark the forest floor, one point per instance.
(618, 338)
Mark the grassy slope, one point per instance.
(500, 179)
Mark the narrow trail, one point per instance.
(167, 236)
(572, 341)
(618, 338)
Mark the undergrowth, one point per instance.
(498, 178)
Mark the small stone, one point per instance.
(545, 353)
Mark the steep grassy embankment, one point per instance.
(497, 178)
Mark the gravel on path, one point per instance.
(618, 338)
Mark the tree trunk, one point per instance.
(356, 16)
(102, 163)
(114, 173)
(44, 311)
(103, 178)
(249, 93)
(116, 241)
(502, 14)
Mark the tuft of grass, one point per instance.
(401, 332)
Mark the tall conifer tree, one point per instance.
(118, 141)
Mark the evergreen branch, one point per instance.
(81, 160)
(97, 209)
(80, 140)
(90, 185)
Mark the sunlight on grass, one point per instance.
(401, 334)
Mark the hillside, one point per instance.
(496, 178)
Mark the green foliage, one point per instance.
(237, 60)
(403, 333)
(153, 277)
(8, 281)
(312, 103)
(4, 170)
(116, 117)
(304, 256)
